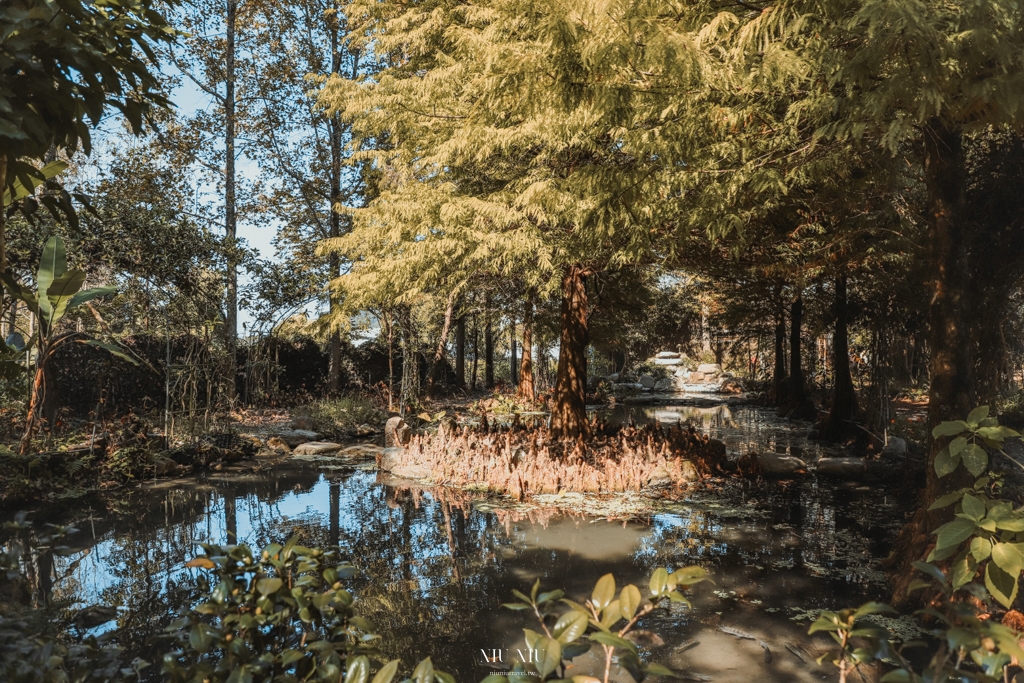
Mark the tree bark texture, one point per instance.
(488, 346)
(460, 352)
(230, 218)
(779, 378)
(526, 385)
(569, 412)
(797, 404)
(436, 376)
(476, 352)
(839, 423)
(513, 378)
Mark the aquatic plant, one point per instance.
(603, 620)
(523, 461)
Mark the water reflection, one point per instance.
(435, 567)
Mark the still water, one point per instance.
(435, 565)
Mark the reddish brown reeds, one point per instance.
(524, 461)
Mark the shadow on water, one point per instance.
(436, 564)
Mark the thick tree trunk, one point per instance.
(951, 394)
(437, 367)
(569, 412)
(512, 369)
(839, 423)
(526, 387)
(35, 402)
(460, 352)
(488, 346)
(230, 225)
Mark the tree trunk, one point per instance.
(488, 346)
(3, 227)
(460, 352)
(951, 394)
(569, 412)
(476, 352)
(230, 226)
(705, 330)
(779, 378)
(512, 378)
(797, 404)
(526, 388)
(839, 423)
(35, 402)
(437, 367)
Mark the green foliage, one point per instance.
(603, 619)
(987, 533)
(63, 63)
(343, 415)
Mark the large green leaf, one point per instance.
(112, 349)
(549, 656)
(52, 265)
(975, 459)
(387, 672)
(358, 670)
(1005, 555)
(629, 601)
(973, 507)
(952, 533)
(945, 462)
(1001, 585)
(60, 292)
(977, 415)
(949, 428)
(90, 294)
(20, 292)
(19, 189)
(604, 591)
(570, 626)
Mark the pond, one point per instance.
(435, 565)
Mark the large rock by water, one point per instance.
(647, 382)
(847, 468)
(396, 433)
(710, 368)
(317, 448)
(780, 465)
(896, 447)
(396, 461)
(295, 437)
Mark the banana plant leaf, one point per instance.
(90, 294)
(20, 292)
(53, 264)
(19, 189)
(113, 349)
(60, 293)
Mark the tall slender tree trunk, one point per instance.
(230, 225)
(460, 351)
(488, 345)
(334, 356)
(476, 352)
(436, 368)
(35, 403)
(797, 404)
(839, 423)
(526, 387)
(779, 378)
(512, 369)
(3, 227)
(569, 412)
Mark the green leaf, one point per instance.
(981, 548)
(1001, 585)
(572, 650)
(60, 292)
(897, 676)
(952, 533)
(1007, 558)
(660, 670)
(948, 499)
(945, 463)
(604, 591)
(956, 446)
(975, 459)
(290, 657)
(19, 190)
(570, 626)
(977, 415)
(112, 349)
(550, 656)
(424, 672)
(199, 639)
(873, 608)
(358, 670)
(52, 265)
(688, 576)
(659, 581)
(387, 672)
(973, 507)
(612, 640)
(611, 614)
(269, 585)
(90, 294)
(629, 601)
(963, 571)
(949, 428)
(825, 622)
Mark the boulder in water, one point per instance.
(780, 465)
(317, 448)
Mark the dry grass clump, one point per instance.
(522, 461)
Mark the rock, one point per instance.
(696, 377)
(659, 477)
(668, 354)
(278, 445)
(682, 372)
(665, 385)
(731, 386)
(626, 388)
(614, 377)
(295, 437)
(896, 447)
(647, 382)
(394, 460)
(362, 431)
(396, 433)
(317, 448)
(842, 467)
(302, 423)
(667, 361)
(710, 368)
(772, 463)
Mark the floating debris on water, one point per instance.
(736, 632)
(687, 644)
